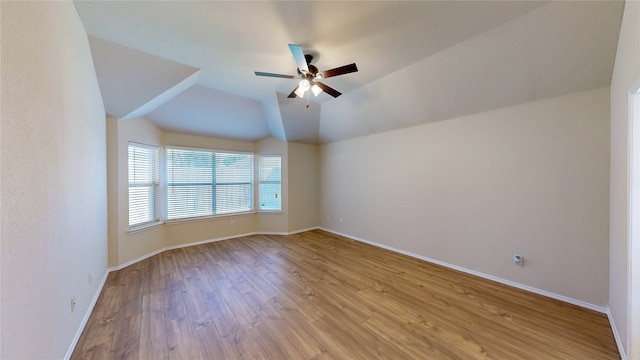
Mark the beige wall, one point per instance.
(303, 186)
(53, 188)
(529, 179)
(206, 142)
(113, 204)
(625, 78)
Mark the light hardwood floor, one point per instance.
(316, 295)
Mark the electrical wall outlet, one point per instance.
(518, 260)
(341, 221)
(232, 223)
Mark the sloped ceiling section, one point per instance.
(189, 66)
(545, 53)
(132, 81)
(300, 119)
(205, 111)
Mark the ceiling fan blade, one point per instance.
(293, 93)
(298, 55)
(259, 73)
(329, 90)
(340, 71)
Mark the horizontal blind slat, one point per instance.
(204, 183)
(143, 184)
(270, 182)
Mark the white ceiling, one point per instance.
(189, 66)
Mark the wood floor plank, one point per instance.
(316, 295)
(126, 338)
(268, 345)
(180, 340)
(240, 346)
(222, 316)
(153, 332)
(351, 339)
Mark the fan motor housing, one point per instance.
(313, 71)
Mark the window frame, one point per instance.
(154, 185)
(214, 183)
(261, 182)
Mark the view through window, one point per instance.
(270, 183)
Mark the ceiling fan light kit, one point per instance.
(316, 90)
(309, 75)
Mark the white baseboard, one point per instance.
(173, 247)
(86, 317)
(616, 335)
(303, 230)
(286, 232)
(563, 298)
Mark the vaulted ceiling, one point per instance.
(189, 66)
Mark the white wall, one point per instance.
(530, 179)
(53, 187)
(626, 75)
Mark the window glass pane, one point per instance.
(233, 198)
(143, 184)
(189, 200)
(270, 182)
(189, 167)
(233, 168)
(204, 183)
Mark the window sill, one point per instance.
(208, 217)
(276, 212)
(139, 228)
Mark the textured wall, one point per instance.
(53, 186)
(303, 186)
(626, 75)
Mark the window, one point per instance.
(206, 183)
(270, 183)
(143, 185)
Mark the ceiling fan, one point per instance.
(309, 75)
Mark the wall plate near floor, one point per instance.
(518, 259)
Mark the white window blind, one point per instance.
(206, 183)
(270, 182)
(143, 184)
